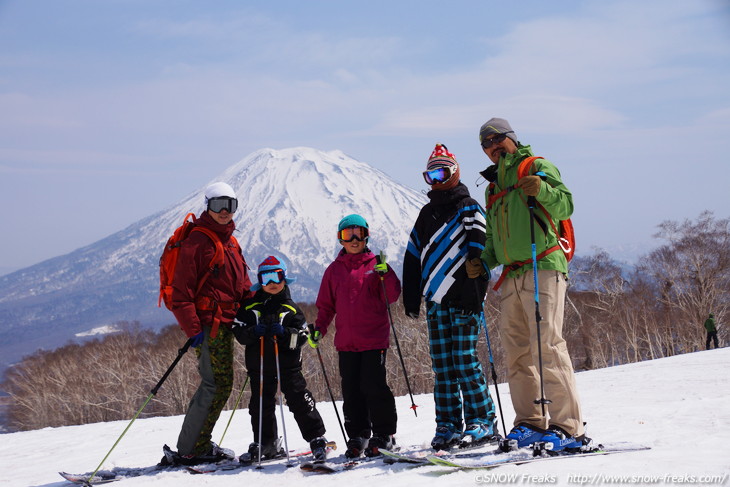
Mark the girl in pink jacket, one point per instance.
(352, 290)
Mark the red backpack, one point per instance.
(564, 232)
(168, 260)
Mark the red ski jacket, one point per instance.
(221, 292)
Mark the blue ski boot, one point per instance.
(521, 436)
(556, 439)
(445, 438)
(477, 434)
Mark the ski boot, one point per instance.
(556, 440)
(477, 434)
(213, 455)
(445, 438)
(319, 449)
(269, 450)
(356, 446)
(521, 436)
(377, 442)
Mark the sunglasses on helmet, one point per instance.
(438, 175)
(275, 276)
(353, 233)
(220, 203)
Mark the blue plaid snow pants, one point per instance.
(458, 373)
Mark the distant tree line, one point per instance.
(614, 315)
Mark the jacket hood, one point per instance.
(457, 193)
(224, 231)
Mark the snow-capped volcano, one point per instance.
(290, 202)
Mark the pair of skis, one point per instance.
(488, 460)
(121, 473)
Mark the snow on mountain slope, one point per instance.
(290, 202)
(677, 406)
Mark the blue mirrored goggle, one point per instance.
(437, 175)
(268, 277)
(218, 204)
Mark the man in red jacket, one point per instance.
(206, 317)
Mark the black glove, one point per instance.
(412, 314)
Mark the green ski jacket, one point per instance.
(508, 220)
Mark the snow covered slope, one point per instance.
(677, 406)
(289, 202)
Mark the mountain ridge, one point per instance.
(290, 201)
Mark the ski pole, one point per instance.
(491, 362)
(542, 400)
(261, 395)
(329, 390)
(281, 399)
(395, 336)
(235, 406)
(152, 393)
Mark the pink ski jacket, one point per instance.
(351, 292)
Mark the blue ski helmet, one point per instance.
(352, 221)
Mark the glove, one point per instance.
(381, 267)
(314, 337)
(412, 314)
(530, 185)
(197, 339)
(276, 329)
(475, 268)
(260, 329)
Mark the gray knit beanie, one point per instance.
(497, 126)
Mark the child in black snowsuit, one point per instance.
(272, 319)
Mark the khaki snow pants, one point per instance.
(518, 332)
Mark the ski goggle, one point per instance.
(220, 203)
(275, 276)
(353, 233)
(487, 143)
(438, 175)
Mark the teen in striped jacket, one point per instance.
(449, 230)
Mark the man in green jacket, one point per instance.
(509, 244)
(711, 331)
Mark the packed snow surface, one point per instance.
(678, 406)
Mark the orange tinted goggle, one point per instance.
(352, 233)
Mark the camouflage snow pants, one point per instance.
(215, 365)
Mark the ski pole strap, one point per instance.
(506, 269)
(209, 304)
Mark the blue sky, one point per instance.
(112, 110)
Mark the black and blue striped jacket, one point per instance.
(449, 230)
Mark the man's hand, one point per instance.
(530, 185)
